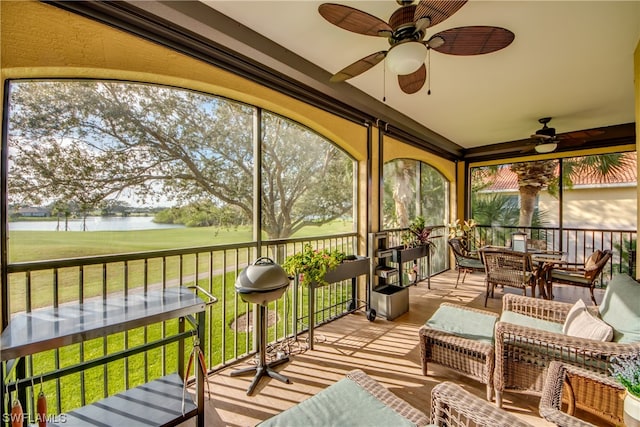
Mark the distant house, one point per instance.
(31, 212)
(609, 202)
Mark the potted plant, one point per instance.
(627, 371)
(311, 265)
(463, 230)
(417, 235)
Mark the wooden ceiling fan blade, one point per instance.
(474, 40)
(354, 20)
(437, 10)
(358, 67)
(411, 83)
(581, 135)
(527, 147)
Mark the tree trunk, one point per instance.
(527, 205)
(533, 177)
(401, 194)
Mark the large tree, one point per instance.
(87, 142)
(533, 177)
(412, 189)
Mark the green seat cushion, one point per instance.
(531, 350)
(344, 403)
(464, 323)
(531, 322)
(569, 276)
(506, 276)
(620, 308)
(471, 263)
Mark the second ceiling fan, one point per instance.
(406, 31)
(546, 140)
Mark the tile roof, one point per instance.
(506, 180)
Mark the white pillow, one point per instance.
(582, 324)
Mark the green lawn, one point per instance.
(44, 245)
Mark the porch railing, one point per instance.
(576, 243)
(229, 333)
(229, 322)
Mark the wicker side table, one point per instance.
(456, 349)
(589, 391)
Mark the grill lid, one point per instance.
(263, 275)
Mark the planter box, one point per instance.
(348, 270)
(401, 254)
(390, 301)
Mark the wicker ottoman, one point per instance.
(460, 338)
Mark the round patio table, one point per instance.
(546, 261)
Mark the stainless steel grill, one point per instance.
(260, 283)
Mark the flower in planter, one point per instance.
(418, 234)
(413, 273)
(311, 264)
(627, 371)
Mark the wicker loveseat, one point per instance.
(529, 337)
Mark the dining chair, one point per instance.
(507, 268)
(586, 275)
(465, 262)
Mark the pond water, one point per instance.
(94, 223)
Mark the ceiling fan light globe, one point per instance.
(546, 147)
(405, 58)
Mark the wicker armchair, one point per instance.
(594, 393)
(465, 262)
(585, 275)
(451, 405)
(523, 354)
(507, 268)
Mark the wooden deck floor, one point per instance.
(386, 350)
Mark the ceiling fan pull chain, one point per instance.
(429, 71)
(384, 82)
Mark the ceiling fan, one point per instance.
(546, 136)
(405, 32)
(548, 140)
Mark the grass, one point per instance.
(45, 245)
(135, 370)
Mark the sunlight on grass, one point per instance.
(45, 245)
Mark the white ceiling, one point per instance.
(571, 60)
